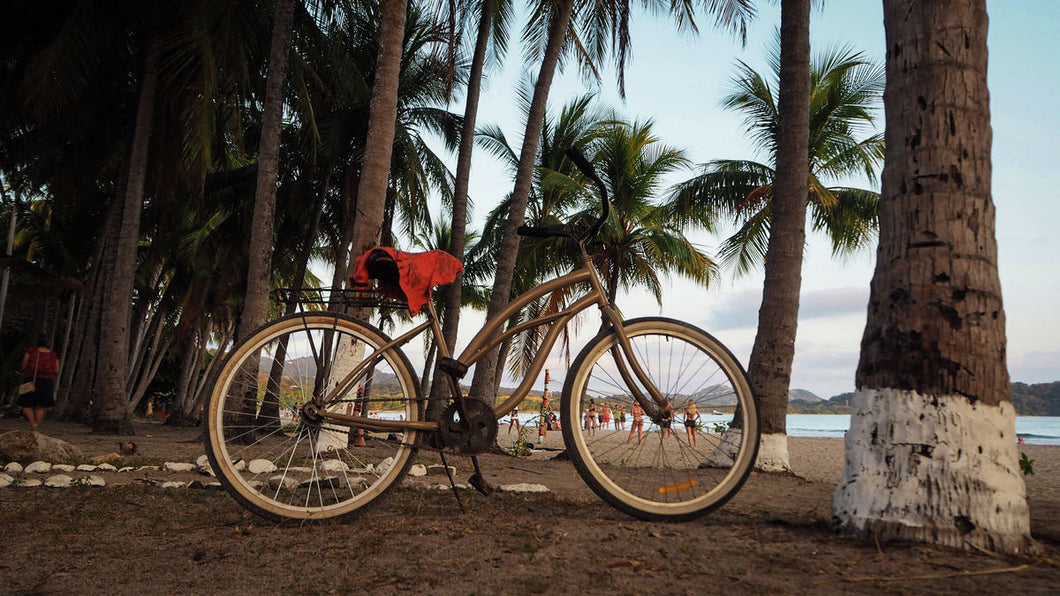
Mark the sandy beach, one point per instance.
(772, 537)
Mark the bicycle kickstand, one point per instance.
(479, 481)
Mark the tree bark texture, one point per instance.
(931, 453)
(110, 415)
(769, 367)
(452, 294)
(259, 255)
(936, 323)
(483, 386)
(379, 145)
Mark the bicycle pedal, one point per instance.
(480, 484)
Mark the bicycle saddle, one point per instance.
(405, 276)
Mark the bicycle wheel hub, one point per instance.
(470, 434)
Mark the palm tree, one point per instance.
(260, 249)
(375, 169)
(493, 21)
(641, 239)
(640, 242)
(844, 88)
(931, 451)
(613, 17)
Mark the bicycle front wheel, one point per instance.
(662, 469)
(282, 462)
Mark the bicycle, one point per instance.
(318, 414)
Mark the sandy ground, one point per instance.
(773, 536)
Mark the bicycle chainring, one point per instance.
(471, 434)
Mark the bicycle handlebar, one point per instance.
(586, 168)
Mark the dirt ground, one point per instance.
(133, 537)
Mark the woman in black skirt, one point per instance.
(40, 365)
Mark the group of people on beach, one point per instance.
(597, 416)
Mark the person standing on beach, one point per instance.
(514, 420)
(590, 418)
(638, 422)
(39, 366)
(605, 415)
(692, 416)
(546, 415)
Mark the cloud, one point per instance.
(739, 309)
(818, 304)
(1035, 367)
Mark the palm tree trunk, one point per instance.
(382, 121)
(259, 269)
(7, 252)
(931, 451)
(451, 294)
(483, 386)
(110, 413)
(769, 367)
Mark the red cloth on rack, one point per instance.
(419, 273)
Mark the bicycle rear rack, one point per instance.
(320, 298)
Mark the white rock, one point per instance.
(440, 469)
(240, 465)
(319, 482)
(58, 481)
(261, 466)
(299, 470)
(200, 485)
(333, 465)
(147, 469)
(384, 465)
(31, 483)
(418, 470)
(126, 469)
(94, 480)
(14, 468)
(39, 467)
(6, 480)
(170, 466)
(172, 484)
(63, 468)
(202, 460)
(87, 468)
(106, 468)
(523, 487)
(282, 482)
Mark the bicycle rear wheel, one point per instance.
(663, 471)
(282, 463)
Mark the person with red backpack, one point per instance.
(40, 365)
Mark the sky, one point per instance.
(677, 81)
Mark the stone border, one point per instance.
(15, 475)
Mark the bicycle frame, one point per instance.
(490, 336)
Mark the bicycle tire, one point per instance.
(291, 467)
(663, 476)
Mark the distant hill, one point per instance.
(802, 395)
(1040, 399)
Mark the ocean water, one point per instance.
(1035, 430)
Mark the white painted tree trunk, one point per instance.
(773, 453)
(937, 469)
(347, 357)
